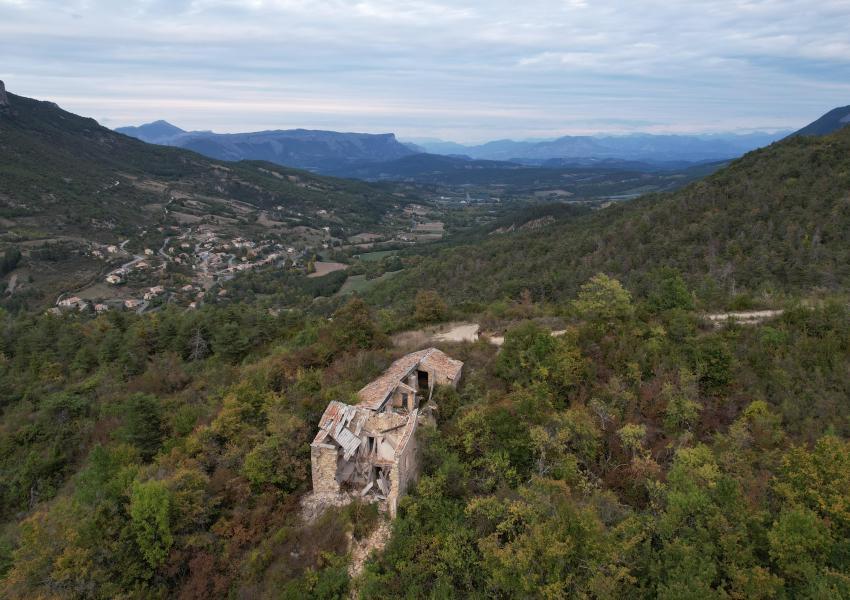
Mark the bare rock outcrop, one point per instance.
(4, 100)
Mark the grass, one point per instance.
(376, 256)
(359, 283)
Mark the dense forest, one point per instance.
(775, 223)
(641, 454)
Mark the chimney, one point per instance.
(4, 101)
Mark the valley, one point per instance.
(122, 220)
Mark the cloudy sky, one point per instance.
(464, 71)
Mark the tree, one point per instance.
(526, 352)
(670, 291)
(714, 362)
(353, 327)
(143, 424)
(10, 261)
(543, 544)
(632, 436)
(799, 544)
(681, 400)
(279, 459)
(568, 368)
(231, 341)
(429, 307)
(150, 514)
(198, 347)
(603, 300)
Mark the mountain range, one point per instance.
(356, 154)
(60, 166)
(314, 150)
(641, 146)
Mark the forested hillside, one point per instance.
(62, 174)
(641, 454)
(774, 222)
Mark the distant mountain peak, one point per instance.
(4, 100)
(155, 132)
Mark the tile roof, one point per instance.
(441, 362)
(375, 394)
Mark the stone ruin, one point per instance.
(369, 449)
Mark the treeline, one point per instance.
(283, 287)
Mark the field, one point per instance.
(323, 268)
(359, 283)
(376, 256)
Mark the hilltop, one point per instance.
(831, 122)
(157, 132)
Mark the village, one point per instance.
(194, 261)
(182, 270)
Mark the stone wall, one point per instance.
(323, 459)
(405, 470)
(440, 378)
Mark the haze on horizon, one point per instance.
(466, 72)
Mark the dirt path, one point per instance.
(462, 332)
(448, 332)
(749, 317)
(362, 549)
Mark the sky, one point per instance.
(461, 71)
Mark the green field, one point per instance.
(376, 256)
(359, 283)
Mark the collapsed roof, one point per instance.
(374, 395)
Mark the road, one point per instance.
(126, 266)
(162, 248)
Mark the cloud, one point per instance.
(463, 70)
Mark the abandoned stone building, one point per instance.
(370, 448)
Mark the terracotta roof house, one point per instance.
(370, 448)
